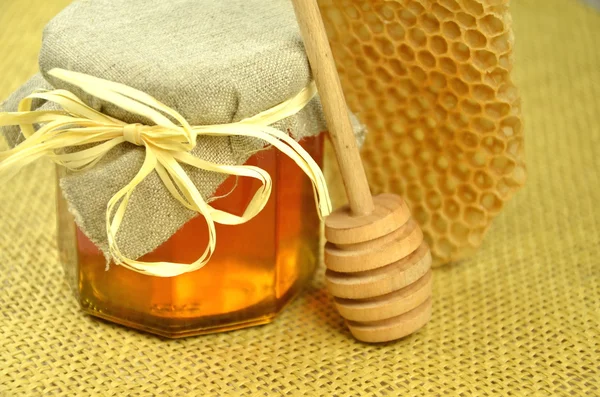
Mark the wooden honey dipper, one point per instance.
(378, 266)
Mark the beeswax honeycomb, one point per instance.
(431, 81)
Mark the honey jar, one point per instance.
(258, 267)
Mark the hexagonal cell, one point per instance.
(417, 37)
(440, 12)
(385, 46)
(467, 194)
(409, 171)
(354, 46)
(337, 17)
(504, 188)
(511, 126)
(448, 185)
(445, 133)
(361, 30)
(438, 81)
(502, 165)
(374, 86)
(468, 139)
(426, 59)
(475, 39)
(417, 134)
(351, 11)
(459, 87)
(491, 202)
(387, 107)
(484, 59)
(407, 18)
(386, 11)
(420, 215)
(395, 31)
(461, 171)
(406, 86)
(448, 66)
(429, 178)
(478, 158)
(469, 73)
(448, 101)
(460, 51)
(501, 44)
(441, 164)
(459, 232)
(416, 7)
(383, 75)
(363, 66)
(483, 180)
(406, 53)
(413, 115)
(451, 5)
(454, 152)
(440, 113)
(433, 200)
(491, 25)
(451, 30)
(428, 121)
(458, 120)
(451, 209)
(474, 216)
(374, 23)
(371, 53)
(483, 92)
(514, 146)
(406, 147)
(470, 106)
(415, 193)
(398, 67)
(417, 104)
(483, 125)
(439, 224)
(465, 20)
(429, 23)
(438, 45)
(473, 7)
(519, 175)
(418, 74)
(379, 178)
(395, 96)
(508, 93)
(476, 236)
(493, 144)
(497, 110)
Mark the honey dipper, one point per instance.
(378, 266)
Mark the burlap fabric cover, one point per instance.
(212, 61)
(519, 318)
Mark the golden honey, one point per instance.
(256, 269)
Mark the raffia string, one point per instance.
(167, 143)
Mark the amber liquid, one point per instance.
(256, 269)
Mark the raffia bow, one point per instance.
(167, 143)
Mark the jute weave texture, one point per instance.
(519, 318)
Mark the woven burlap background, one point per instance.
(519, 318)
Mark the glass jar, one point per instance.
(257, 268)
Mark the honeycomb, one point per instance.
(431, 81)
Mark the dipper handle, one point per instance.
(334, 106)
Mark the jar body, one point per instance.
(256, 269)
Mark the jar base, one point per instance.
(175, 328)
